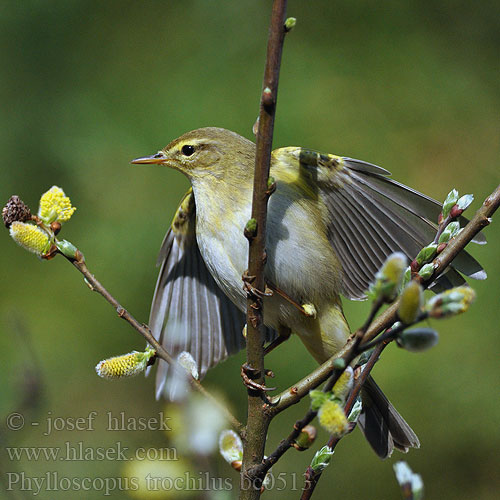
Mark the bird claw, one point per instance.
(247, 373)
(251, 290)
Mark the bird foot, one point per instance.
(251, 290)
(248, 374)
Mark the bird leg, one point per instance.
(283, 334)
(306, 309)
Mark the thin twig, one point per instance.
(258, 421)
(311, 477)
(390, 334)
(143, 329)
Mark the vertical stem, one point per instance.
(312, 478)
(258, 422)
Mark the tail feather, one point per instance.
(383, 427)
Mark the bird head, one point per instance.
(210, 151)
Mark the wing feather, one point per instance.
(414, 201)
(371, 216)
(189, 311)
(407, 201)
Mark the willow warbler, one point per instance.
(332, 221)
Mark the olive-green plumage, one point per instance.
(331, 223)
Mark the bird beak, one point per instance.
(156, 159)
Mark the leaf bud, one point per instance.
(417, 339)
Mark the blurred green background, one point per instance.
(88, 85)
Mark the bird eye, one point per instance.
(187, 150)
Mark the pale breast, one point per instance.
(300, 260)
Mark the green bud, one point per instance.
(339, 364)
(410, 302)
(417, 339)
(445, 237)
(270, 181)
(407, 479)
(406, 277)
(355, 412)
(318, 398)
(394, 267)
(450, 232)
(306, 438)
(66, 248)
(290, 23)
(450, 201)
(427, 271)
(426, 254)
(454, 228)
(321, 459)
(464, 202)
(251, 228)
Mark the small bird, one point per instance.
(332, 221)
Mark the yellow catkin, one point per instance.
(230, 446)
(30, 237)
(55, 206)
(394, 267)
(332, 418)
(410, 302)
(343, 386)
(126, 365)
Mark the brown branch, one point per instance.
(295, 393)
(258, 421)
(143, 329)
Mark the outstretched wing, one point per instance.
(370, 216)
(189, 311)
